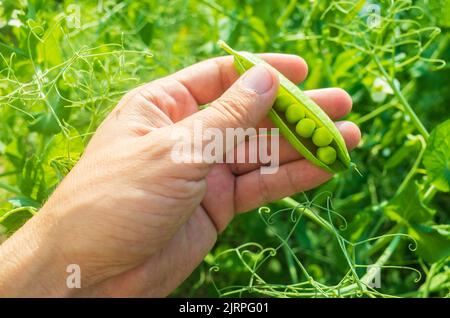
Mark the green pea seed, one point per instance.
(294, 113)
(322, 137)
(326, 154)
(282, 103)
(305, 127)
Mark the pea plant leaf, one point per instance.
(49, 122)
(48, 48)
(403, 153)
(439, 9)
(32, 178)
(408, 207)
(437, 157)
(19, 202)
(344, 62)
(440, 279)
(433, 242)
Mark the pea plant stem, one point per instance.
(29, 209)
(416, 164)
(287, 12)
(374, 113)
(381, 242)
(308, 213)
(369, 276)
(406, 106)
(429, 194)
(291, 266)
(372, 272)
(243, 22)
(8, 187)
(426, 286)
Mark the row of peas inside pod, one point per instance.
(306, 127)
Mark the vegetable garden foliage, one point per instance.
(64, 65)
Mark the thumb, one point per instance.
(244, 104)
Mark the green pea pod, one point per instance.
(305, 146)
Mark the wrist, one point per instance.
(32, 263)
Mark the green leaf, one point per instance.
(358, 226)
(13, 151)
(408, 207)
(49, 48)
(405, 152)
(440, 9)
(437, 157)
(345, 62)
(19, 202)
(439, 280)
(61, 155)
(433, 243)
(32, 177)
(49, 121)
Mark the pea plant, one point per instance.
(380, 231)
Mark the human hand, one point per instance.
(138, 223)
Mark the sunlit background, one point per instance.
(65, 64)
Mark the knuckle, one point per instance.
(126, 99)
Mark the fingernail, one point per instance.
(343, 124)
(258, 79)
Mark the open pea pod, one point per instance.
(301, 121)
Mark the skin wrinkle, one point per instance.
(225, 82)
(235, 195)
(192, 171)
(151, 101)
(170, 100)
(289, 176)
(125, 101)
(263, 188)
(157, 151)
(156, 119)
(216, 116)
(188, 92)
(166, 100)
(242, 168)
(140, 130)
(183, 195)
(236, 169)
(206, 221)
(212, 221)
(231, 107)
(219, 222)
(188, 231)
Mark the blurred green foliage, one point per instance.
(64, 65)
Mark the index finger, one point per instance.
(208, 80)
